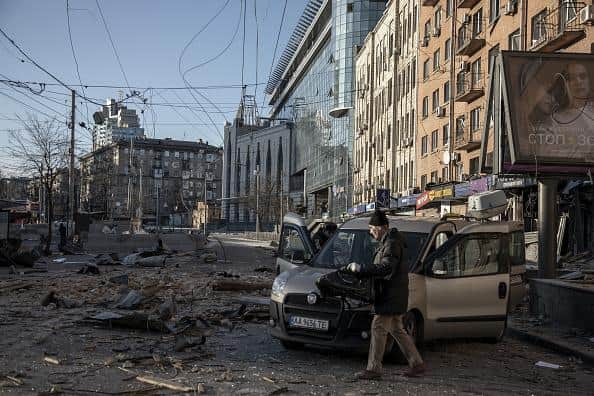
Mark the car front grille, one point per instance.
(324, 309)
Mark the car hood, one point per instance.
(303, 279)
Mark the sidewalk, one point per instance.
(570, 341)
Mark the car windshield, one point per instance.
(358, 246)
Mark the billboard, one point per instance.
(551, 109)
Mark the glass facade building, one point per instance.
(313, 86)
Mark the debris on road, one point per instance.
(51, 360)
(547, 365)
(89, 269)
(163, 383)
(240, 285)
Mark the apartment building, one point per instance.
(164, 178)
(459, 41)
(385, 115)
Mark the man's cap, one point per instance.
(378, 218)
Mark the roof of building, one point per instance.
(164, 143)
(310, 12)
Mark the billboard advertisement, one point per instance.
(551, 109)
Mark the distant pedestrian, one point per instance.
(62, 231)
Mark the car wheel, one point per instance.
(291, 345)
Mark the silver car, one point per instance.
(459, 281)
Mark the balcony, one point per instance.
(430, 3)
(469, 42)
(469, 88)
(558, 29)
(466, 139)
(467, 3)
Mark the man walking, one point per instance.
(390, 274)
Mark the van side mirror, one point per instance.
(298, 256)
(438, 268)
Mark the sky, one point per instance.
(149, 36)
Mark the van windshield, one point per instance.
(358, 246)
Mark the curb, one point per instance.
(551, 343)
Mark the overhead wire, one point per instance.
(280, 27)
(179, 63)
(257, 47)
(115, 51)
(74, 56)
(27, 105)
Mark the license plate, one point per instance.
(309, 323)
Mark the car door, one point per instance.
(467, 287)
(295, 248)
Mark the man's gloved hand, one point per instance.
(354, 268)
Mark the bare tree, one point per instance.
(40, 148)
(265, 201)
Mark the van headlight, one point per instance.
(279, 284)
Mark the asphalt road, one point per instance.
(238, 359)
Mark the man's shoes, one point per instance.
(368, 375)
(416, 371)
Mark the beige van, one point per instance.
(460, 281)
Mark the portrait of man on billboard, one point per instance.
(551, 107)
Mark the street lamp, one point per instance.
(257, 174)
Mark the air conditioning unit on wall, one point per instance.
(587, 14)
(441, 111)
(511, 7)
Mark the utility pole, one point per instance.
(257, 202)
(130, 193)
(158, 210)
(71, 168)
(205, 207)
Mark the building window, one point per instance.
(493, 52)
(436, 60)
(444, 174)
(493, 10)
(434, 140)
(425, 107)
(448, 49)
(414, 22)
(434, 177)
(475, 119)
(514, 41)
(477, 22)
(427, 33)
(539, 31)
(446, 91)
(413, 75)
(476, 72)
(435, 101)
(460, 127)
(424, 145)
(423, 181)
(449, 8)
(438, 18)
(426, 70)
(413, 123)
(445, 135)
(474, 166)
